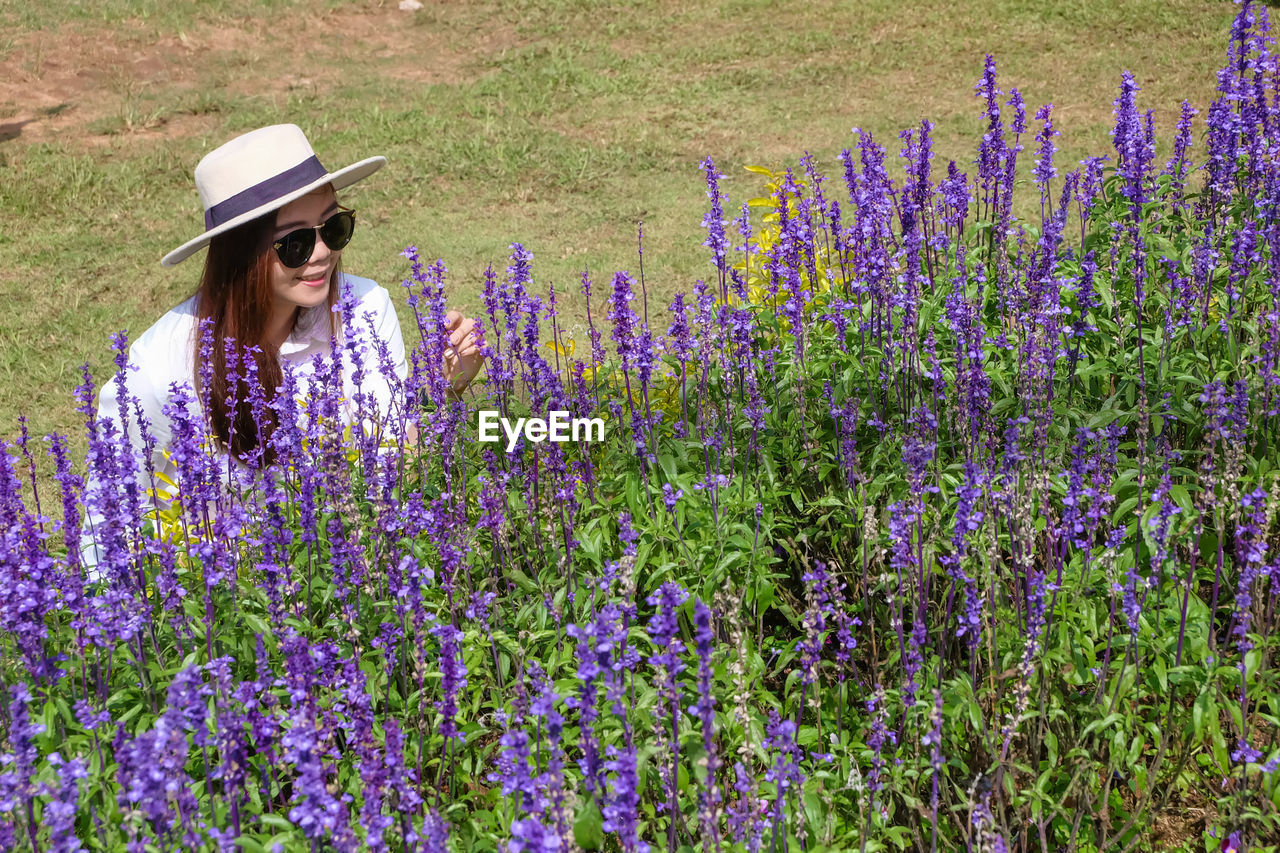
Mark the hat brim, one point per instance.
(340, 179)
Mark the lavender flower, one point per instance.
(454, 679)
(16, 788)
(60, 812)
(716, 240)
(878, 737)
(663, 628)
(709, 796)
(671, 497)
(622, 802)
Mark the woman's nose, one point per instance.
(321, 251)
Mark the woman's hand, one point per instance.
(462, 358)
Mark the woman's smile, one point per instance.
(319, 279)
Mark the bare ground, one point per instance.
(71, 84)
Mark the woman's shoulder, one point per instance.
(365, 290)
(167, 345)
(369, 297)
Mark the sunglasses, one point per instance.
(295, 248)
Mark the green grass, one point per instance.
(558, 124)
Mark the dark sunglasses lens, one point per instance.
(296, 246)
(337, 230)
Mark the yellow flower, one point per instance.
(562, 350)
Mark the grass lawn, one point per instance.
(558, 124)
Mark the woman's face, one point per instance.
(308, 285)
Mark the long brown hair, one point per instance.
(235, 293)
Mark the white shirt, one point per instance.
(165, 353)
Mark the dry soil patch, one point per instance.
(73, 84)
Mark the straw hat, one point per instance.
(259, 172)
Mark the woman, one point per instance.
(272, 277)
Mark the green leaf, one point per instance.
(1104, 723)
(588, 829)
(257, 624)
(815, 811)
(769, 470)
(1135, 749)
(668, 465)
(1104, 418)
(975, 715)
(1252, 660)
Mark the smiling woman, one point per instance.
(268, 296)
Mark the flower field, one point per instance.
(915, 526)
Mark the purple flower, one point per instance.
(627, 534)
(27, 589)
(453, 678)
(316, 811)
(878, 736)
(401, 779)
(624, 319)
(621, 803)
(1033, 638)
(746, 816)
(16, 788)
(713, 221)
(663, 629)
(59, 815)
(780, 738)
(992, 148)
(1044, 170)
(602, 656)
(1179, 164)
(530, 834)
(904, 519)
(680, 343)
(709, 796)
(670, 497)
(968, 520)
(954, 198)
(817, 612)
(984, 822)
(435, 833)
(152, 766)
(513, 774)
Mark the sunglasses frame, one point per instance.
(314, 230)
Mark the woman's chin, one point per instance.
(308, 297)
